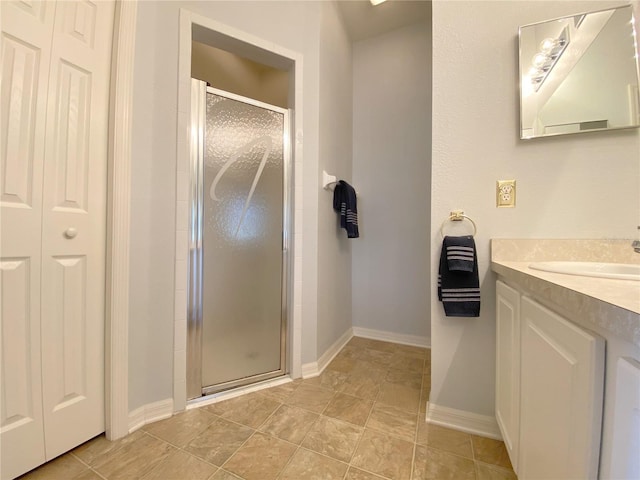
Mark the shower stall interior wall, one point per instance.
(239, 234)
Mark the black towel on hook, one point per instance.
(345, 203)
(459, 290)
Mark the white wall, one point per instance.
(292, 25)
(576, 186)
(391, 171)
(334, 249)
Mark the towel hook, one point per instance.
(458, 216)
(328, 180)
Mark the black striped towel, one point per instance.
(345, 203)
(459, 286)
(460, 253)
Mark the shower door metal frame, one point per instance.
(195, 389)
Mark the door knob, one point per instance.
(70, 232)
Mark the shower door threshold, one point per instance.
(239, 391)
(242, 382)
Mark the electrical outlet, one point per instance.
(506, 193)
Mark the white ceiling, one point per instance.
(363, 20)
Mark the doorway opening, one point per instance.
(238, 65)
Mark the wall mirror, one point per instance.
(579, 74)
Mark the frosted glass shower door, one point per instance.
(243, 240)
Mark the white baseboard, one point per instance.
(313, 369)
(334, 350)
(469, 422)
(149, 413)
(310, 370)
(415, 340)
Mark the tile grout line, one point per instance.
(493, 466)
(415, 435)
(182, 449)
(200, 432)
(255, 430)
(236, 451)
(364, 427)
(299, 446)
(216, 416)
(288, 462)
(99, 474)
(373, 402)
(473, 449)
(336, 391)
(92, 467)
(89, 467)
(240, 447)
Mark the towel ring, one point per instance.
(458, 216)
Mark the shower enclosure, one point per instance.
(239, 234)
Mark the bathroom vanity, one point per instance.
(567, 361)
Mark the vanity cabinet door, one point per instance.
(508, 368)
(625, 459)
(561, 391)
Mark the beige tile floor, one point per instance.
(361, 419)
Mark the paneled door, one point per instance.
(508, 368)
(561, 397)
(26, 32)
(56, 59)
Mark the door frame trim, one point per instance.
(195, 258)
(119, 207)
(118, 222)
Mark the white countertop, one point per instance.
(612, 305)
(620, 293)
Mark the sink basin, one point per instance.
(621, 271)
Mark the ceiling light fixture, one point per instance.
(376, 2)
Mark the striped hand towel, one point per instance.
(345, 203)
(459, 290)
(460, 253)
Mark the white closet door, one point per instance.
(26, 36)
(56, 59)
(74, 224)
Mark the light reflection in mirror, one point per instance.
(587, 81)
